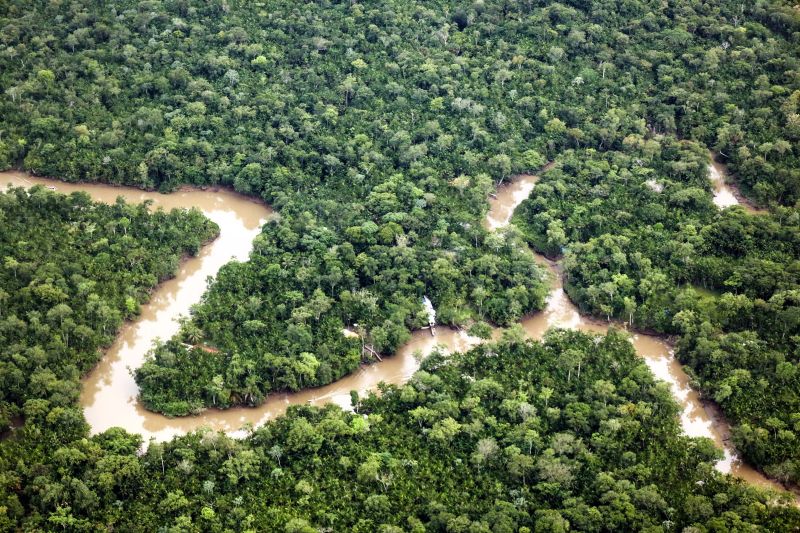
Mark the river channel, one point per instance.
(109, 393)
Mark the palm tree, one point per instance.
(192, 333)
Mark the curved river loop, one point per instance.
(109, 393)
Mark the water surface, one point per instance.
(109, 394)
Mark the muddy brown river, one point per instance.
(109, 393)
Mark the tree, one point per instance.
(486, 449)
(303, 437)
(545, 394)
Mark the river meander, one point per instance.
(109, 393)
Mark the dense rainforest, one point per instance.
(378, 207)
(571, 433)
(725, 282)
(378, 130)
(72, 271)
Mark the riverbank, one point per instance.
(699, 417)
(109, 394)
(726, 191)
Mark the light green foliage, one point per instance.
(377, 130)
(69, 278)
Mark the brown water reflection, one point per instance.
(697, 418)
(109, 395)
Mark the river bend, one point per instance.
(109, 393)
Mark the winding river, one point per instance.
(109, 393)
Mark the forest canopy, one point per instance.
(378, 130)
(508, 437)
(724, 282)
(72, 271)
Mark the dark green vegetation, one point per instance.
(650, 258)
(377, 130)
(72, 271)
(286, 332)
(572, 433)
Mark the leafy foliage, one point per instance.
(666, 259)
(508, 437)
(72, 271)
(377, 130)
